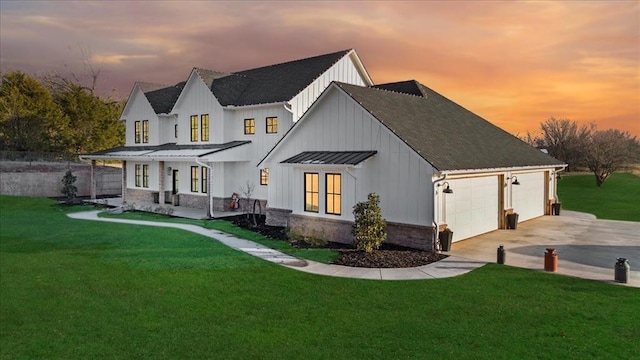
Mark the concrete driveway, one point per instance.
(586, 247)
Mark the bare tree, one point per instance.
(607, 151)
(247, 191)
(565, 140)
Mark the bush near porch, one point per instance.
(81, 289)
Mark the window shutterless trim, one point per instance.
(145, 131)
(331, 195)
(315, 206)
(137, 127)
(204, 127)
(205, 178)
(194, 127)
(272, 125)
(264, 176)
(249, 126)
(194, 179)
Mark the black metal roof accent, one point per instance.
(171, 146)
(330, 157)
(444, 133)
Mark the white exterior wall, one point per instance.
(396, 173)
(139, 109)
(166, 128)
(237, 174)
(344, 71)
(197, 99)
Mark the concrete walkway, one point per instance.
(449, 267)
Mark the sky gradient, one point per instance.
(514, 63)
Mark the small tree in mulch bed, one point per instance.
(368, 228)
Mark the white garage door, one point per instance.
(472, 209)
(529, 197)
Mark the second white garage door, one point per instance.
(529, 196)
(472, 209)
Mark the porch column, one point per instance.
(209, 191)
(161, 183)
(124, 181)
(93, 180)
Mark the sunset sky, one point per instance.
(514, 63)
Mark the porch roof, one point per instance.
(330, 157)
(170, 151)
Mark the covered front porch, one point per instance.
(177, 211)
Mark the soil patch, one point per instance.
(388, 256)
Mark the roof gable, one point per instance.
(268, 84)
(444, 133)
(163, 99)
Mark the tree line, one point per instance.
(602, 152)
(56, 114)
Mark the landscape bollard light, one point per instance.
(622, 270)
(551, 260)
(501, 255)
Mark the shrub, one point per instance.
(368, 228)
(68, 189)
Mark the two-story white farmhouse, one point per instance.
(198, 142)
(316, 136)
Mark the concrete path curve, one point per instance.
(449, 267)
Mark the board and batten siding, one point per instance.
(344, 71)
(139, 109)
(396, 173)
(197, 99)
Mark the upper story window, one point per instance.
(249, 126)
(334, 194)
(311, 190)
(272, 125)
(194, 179)
(136, 133)
(204, 127)
(194, 127)
(145, 131)
(145, 176)
(138, 175)
(264, 176)
(205, 177)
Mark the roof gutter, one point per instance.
(500, 170)
(234, 107)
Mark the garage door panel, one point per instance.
(529, 197)
(472, 209)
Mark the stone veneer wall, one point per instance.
(277, 217)
(413, 236)
(194, 201)
(134, 195)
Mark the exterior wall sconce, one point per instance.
(169, 170)
(447, 190)
(515, 181)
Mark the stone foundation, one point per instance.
(194, 201)
(277, 217)
(134, 195)
(412, 236)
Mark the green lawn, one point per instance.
(616, 199)
(326, 256)
(74, 289)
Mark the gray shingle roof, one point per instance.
(330, 157)
(444, 133)
(162, 100)
(273, 83)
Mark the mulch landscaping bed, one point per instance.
(388, 256)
